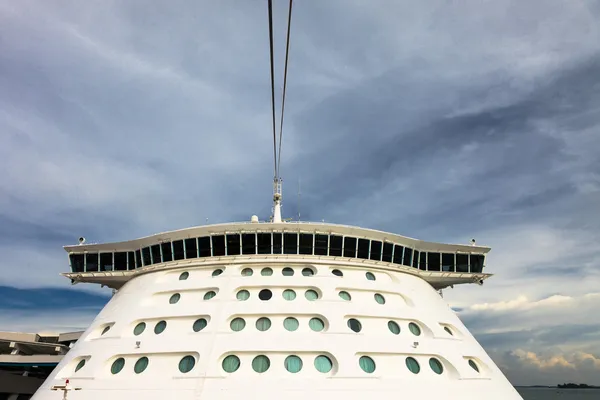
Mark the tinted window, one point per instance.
(233, 244)
(477, 262)
(335, 245)
(462, 263)
(433, 261)
(423, 261)
(77, 262)
(290, 243)
(138, 259)
(415, 262)
(218, 245)
(363, 249)
(191, 249)
(166, 252)
(91, 262)
(398, 254)
(349, 247)
(448, 262)
(388, 249)
(178, 253)
(264, 243)
(277, 243)
(248, 243)
(375, 250)
(155, 252)
(408, 253)
(204, 246)
(146, 256)
(131, 260)
(106, 261)
(321, 245)
(306, 243)
(121, 261)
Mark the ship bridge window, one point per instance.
(106, 261)
(350, 247)
(335, 246)
(121, 261)
(191, 248)
(264, 243)
(167, 252)
(155, 253)
(233, 244)
(448, 262)
(321, 245)
(398, 252)
(375, 250)
(277, 243)
(462, 263)
(363, 249)
(249, 243)
(218, 245)
(178, 252)
(130, 260)
(388, 249)
(204, 246)
(477, 262)
(408, 253)
(77, 262)
(138, 259)
(91, 262)
(306, 243)
(290, 243)
(146, 256)
(415, 261)
(433, 261)
(423, 261)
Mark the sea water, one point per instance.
(562, 394)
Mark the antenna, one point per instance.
(277, 199)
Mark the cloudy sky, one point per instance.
(441, 120)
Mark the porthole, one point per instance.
(311, 295)
(316, 324)
(394, 327)
(370, 276)
(261, 364)
(209, 295)
(266, 272)
(237, 324)
(174, 298)
(337, 272)
(140, 365)
(160, 327)
(287, 271)
(308, 272)
(186, 364)
(184, 276)
(436, 365)
(117, 365)
(323, 364)
(247, 272)
(231, 363)
(80, 365)
(412, 365)
(354, 325)
(289, 294)
(345, 295)
(367, 364)
(265, 294)
(106, 329)
(293, 364)
(217, 272)
(474, 365)
(449, 331)
(379, 298)
(199, 324)
(414, 328)
(139, 328)
(263, 324)
(291, 324)
(243, 295)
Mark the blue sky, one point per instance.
(437, 120)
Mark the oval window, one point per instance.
(414, 328)
(354, 325)
(323, 364)
(291, 324)
(370, 276)
(117, 365)
(311, 295)
(160, 327)
(449, 331)
(243, 295)
(174, 298)
(474, 365)
(106, 329)
(265, 294)
(139, 328)
(289, 294)
(199, 324)
(436, 365)
(308, 272)
(345, 295)
(217, 272)
(412, 365)
(80, 365)
(209, 295)
(316, 324)
(261, 364)
(263, 324)
(337, 272)
(293, 364)
(367, 364)
(184, 276)
(394, 327)
(247, 272)
(231, 363)
(187, 364)
(266, 272)
(379, 298)
(140, 365)
(287, 271)
(237, 324)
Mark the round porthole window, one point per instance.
(106, 329)
(412, 365)
(187, 364)
(414, 328)
(217, 272)
(308, 272)
(261, 364)
(311, 295)
(140, 365)
(354, 325)
(289, 294)
(367, 364)
(379, 298)
(174, 298)
(160, 327)
(80, 365)
(436, 365)
(291, 324)
(231, 363)
(337, 272)
(263, 324)
(139, 328)
(247, 272)
(117, 365)
(199, 324)
(323, 364)
(293, 364)
(316, 324)
(370, 276)
(394, 327)
(209, 295)
(287, 271)
(265, 294)
(266, 272)
(243, 295)
(345, 295)
(184, 276)
(473, 365)
(237, 324)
